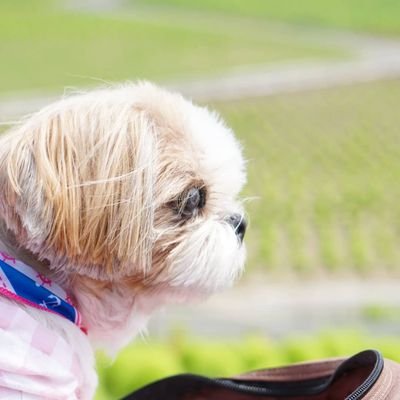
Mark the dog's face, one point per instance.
(198, 223)
(133, 185)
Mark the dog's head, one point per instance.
(127, 187)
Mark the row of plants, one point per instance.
(323, 179)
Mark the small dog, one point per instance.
(114, 203)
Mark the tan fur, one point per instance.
(96, 181)
(93, 188)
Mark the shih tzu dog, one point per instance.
(113, 203)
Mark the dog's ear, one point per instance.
(9, 218)
(78, 184)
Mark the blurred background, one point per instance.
(312, 89)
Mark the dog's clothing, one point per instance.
(35, 362)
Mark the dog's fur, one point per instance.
(93, 188)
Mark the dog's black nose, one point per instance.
(239, 224)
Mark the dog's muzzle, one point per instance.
(239, 224)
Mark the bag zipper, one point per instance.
(253, 389)
(369, 382)
(358, 394)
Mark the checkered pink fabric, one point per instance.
(35, 363)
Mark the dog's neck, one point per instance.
(112, 313)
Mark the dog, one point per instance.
(115, 202)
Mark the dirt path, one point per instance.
(374, 59)
(278, 309)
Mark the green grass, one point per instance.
(142, 363)
(324, 168)
(45, 47)
(377, 16)
(378, 312)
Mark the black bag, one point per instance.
(366, 376)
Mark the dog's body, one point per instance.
(126, 198)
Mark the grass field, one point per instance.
(323, 164)
(46, 47)
(143, 363)
(325, 167)
(376, 16)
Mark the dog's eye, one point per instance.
(194, 199)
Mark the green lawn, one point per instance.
(376, 16)
(46, 47)
(142, 363)
(325, 170)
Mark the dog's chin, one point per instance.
(208, 259)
